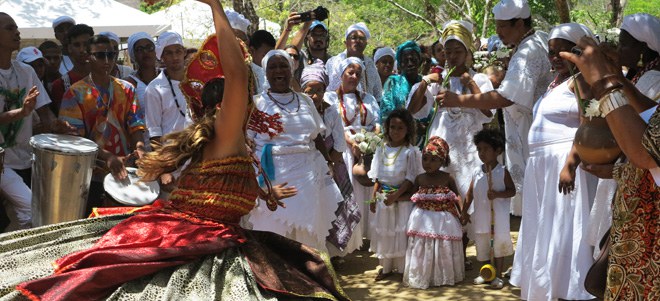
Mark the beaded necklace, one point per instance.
(389, 161)
(282, 106)
(556, 82)
(362, 110)
(649, 66)
(176, 101)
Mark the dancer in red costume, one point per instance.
(190, 248)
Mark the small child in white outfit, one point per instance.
(489, 196)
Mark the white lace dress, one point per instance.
(526, 80)
(355, 125)
(457, 126)
(309, 214)
(391, 167)
(552, 255)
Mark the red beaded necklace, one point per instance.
(362, 110)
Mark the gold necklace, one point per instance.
(392, 159)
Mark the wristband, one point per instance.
(605, 85)
(612, 101)
(426, 79)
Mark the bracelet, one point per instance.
(611, 102)
(426, 79)
(605, 85)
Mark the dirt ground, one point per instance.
(359, 269)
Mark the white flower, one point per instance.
(381, 196)
(363, 146)
(372, 146)
(359, 137)
(502, 53)
(593, 109)
(377, 139)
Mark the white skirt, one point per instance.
(552, 256)
(389, 223)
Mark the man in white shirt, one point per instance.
(166, 110)
(61, 26)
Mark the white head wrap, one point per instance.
(134, 38)
(351, 60)
(110, 35)
(459, 35)
(63, 19)
(570, 31)
(275, 52)
(237, 21)
(358, 26)
(166, 39)
(511, 9)
(644, 28)
(384, 51)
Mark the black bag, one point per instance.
(596, 280)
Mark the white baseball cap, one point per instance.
(29, 54)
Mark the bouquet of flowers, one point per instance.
(483, 59)
(367, 142)
(591, 108)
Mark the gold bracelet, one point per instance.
(611, 101)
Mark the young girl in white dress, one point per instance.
(394, 168)
(435, 249)
(490, 196)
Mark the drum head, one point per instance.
(63, 143)
(131, 192)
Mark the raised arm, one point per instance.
(231, 117)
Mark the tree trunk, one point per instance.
(563, 11)
(246, 8)
(484, 28)
(617, 12)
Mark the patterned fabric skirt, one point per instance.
(256, 266)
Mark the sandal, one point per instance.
(382, 275)
(497, 284)
(479, 280)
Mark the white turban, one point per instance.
(237, 21)
(644, 28)
(276, 52)
(511, 9)
(351, 61)
(110, 35)
(384, 51)
(63, 19)
(358, 26)
(166, 39)
(452, 31)
(134, 38)
(570, 31)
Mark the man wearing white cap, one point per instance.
(33, 57)
(21, 93)
(356, 36)
(526, 80)
(61, 26)
(166, 109)
(120, 71)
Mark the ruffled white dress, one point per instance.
(368, 123)
(309, 214)
(392, 166)
(457, 126)
(552, 256)
(435, 248)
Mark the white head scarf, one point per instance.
(275, 52)
(237, 21)
(570, 31)
(644, 28)
(110, 35)
(134, 38)
(166, 39)
(351, 61)
(358, 26)
(465, 39)
(384, 51)
(511, 9)
(63, 19)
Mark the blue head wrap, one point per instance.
(407, 45)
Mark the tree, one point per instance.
(246, 8)
(563, 11)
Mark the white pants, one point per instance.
(18, 200)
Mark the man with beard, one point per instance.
(315, 36)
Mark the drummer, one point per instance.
(23, 93)
(104, 109)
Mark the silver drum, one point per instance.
(61, 173)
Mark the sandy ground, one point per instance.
(359, 269)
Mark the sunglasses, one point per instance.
(148, 48)
(104, 55)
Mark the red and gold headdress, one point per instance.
(202, 68)
(437, 147)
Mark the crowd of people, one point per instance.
(400, 152)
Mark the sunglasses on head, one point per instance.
(148, 48)
(104, 55)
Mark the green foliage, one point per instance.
(642, 6)
(160, 5)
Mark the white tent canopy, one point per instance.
(194, 22)
(35, 17)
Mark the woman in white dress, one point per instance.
(552, 256)
(291, 156)
(359, 111)
(455, 125)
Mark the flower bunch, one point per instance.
(610, 36)
(483, 59)
(367, 142)
(592, 109)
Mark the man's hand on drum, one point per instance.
(59, 126)
(116, 166)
